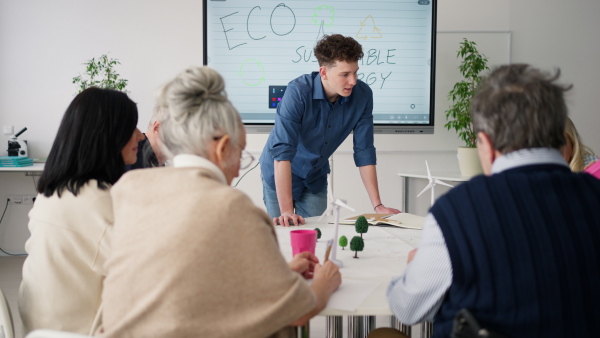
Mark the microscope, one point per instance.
(17, 148)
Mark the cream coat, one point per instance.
(193, 257)
(63, 274)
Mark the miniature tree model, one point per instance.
(318, 233)
(343, 242)
(361, 225)
(357, 244)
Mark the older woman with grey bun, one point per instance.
(193, 256)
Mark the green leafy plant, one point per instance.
(100, 73)
(318, 233)
(459, 114)
(361, 225)
(343, 242)
(357, 244)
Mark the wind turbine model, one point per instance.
(335, 204)
(432, 183)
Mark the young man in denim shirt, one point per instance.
(317, 113)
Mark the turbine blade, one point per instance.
(326, 212)
(425, 189)
(330, 197)
(428, 172)
(342, 204)
(443, 183)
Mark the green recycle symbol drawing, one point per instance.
(247, 70)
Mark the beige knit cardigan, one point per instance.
(193, 257)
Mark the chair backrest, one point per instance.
(465, 325)
(6, 321)
(54, 334)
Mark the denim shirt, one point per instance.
(308, 129)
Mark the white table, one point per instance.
(446, 177)
(384, 256)
(33, 170)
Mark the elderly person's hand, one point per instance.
(411, 255)
(327, 278)
(304, 264)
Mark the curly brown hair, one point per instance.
(336, 47)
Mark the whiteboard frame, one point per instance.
(403, 129)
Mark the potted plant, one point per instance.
(459, 115)
(101, 73)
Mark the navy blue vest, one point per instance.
(525, 251)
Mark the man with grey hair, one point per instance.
(518, 247)
(149, 149)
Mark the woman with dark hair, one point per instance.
(71, 221)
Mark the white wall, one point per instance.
(43, 43)
(555, 33)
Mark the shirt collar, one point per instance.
(194, 161)
(319, 91)
(525, 157)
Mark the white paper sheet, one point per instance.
(360, 290)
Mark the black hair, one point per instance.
(96, 126)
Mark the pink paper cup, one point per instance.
(303, 240)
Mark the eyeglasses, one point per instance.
(246, 159)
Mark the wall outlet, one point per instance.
(21, 199)
(15, 199)
(8, 130)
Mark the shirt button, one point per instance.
(326, 142)
(321, 156)
(329, 126)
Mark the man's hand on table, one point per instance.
(288, 219)
(382, 209)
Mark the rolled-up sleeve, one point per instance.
(288, 124)
(364, 150)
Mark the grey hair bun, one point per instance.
(192, 88)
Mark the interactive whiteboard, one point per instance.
(260, 46)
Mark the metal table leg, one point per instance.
(426, 329)
(360, 326)
(334, 326)
(404, 194)
(303, 331)
(396, 324)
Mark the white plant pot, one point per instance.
(468, 162)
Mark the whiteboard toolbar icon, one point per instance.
(275, 95)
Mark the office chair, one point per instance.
(7, 329)
(466, 326)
